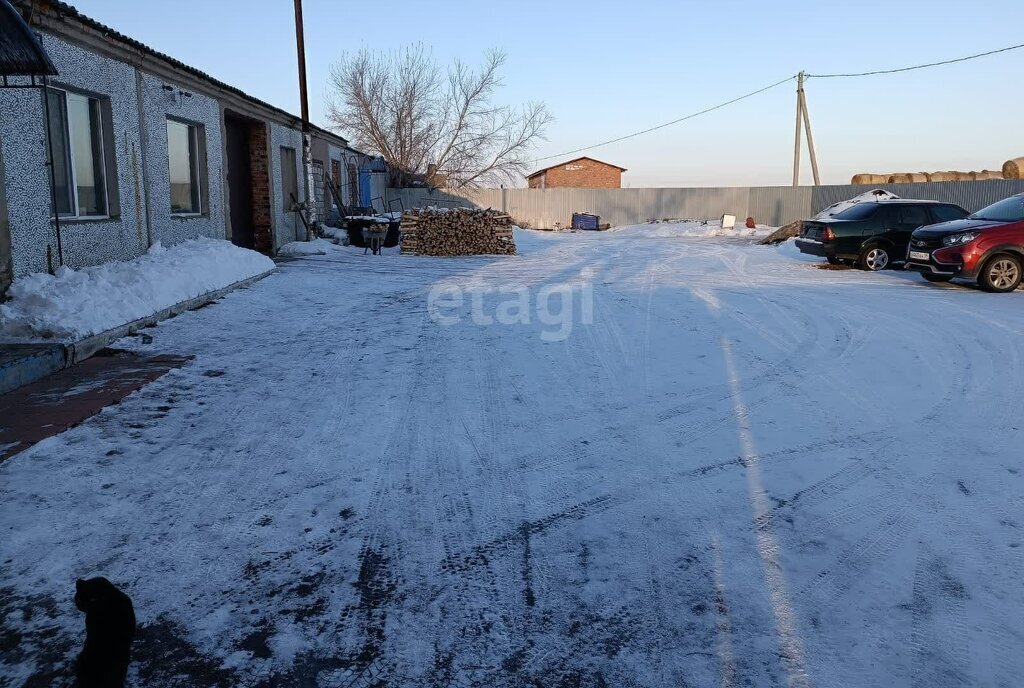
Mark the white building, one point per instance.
(146, 149)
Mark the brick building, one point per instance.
(581, 173)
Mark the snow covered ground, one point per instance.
(726, 467)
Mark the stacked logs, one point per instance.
(457, 232)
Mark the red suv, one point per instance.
(987, 246)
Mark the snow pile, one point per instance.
(317, 247)
(337, 234)
(77, 303)
(690, 229)
(866, 197)
(789, 250)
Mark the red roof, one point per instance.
(584, 157)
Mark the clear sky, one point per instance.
(609, 68)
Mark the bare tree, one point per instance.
(441, 126)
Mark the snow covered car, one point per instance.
(987, 246)
(872, 234)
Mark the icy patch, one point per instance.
(78, 303)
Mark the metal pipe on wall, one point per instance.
(53, 174)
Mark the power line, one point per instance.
(922, 66)
(668, 124)
(779, 83)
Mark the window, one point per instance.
(947, 213)
(183, 159)
(1007, 210)
(289, 182)
(862, 211)
(79, 160)
(335, 181)
(912, 216)
(353, 185)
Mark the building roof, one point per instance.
(62, 11)
(21, 53)
(582, 157)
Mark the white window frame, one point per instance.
(193, 142)
(71, 159)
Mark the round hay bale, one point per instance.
(899, 178)
(917, 177)
(989, 174)
(943, 177)
(1013, 169)
(864, 179)
(962, 176)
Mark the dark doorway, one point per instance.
(239, 182)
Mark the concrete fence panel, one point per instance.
(777, 205)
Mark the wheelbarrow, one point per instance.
(373, 236)
(367, 231)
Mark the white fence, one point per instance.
(770, 205)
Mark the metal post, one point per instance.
(810, 138)
(799, 116)
(307, 153)
(53, 175)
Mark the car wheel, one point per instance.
(1001, 273)
(874, 258)
(931, 277)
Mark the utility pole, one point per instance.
(810, 138)
(799, 117)
(803, 117)
(307, 153)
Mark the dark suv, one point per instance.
(872, 234)
(988, 247)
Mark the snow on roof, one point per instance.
(866, 197)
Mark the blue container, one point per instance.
(585, 221)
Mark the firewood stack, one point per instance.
(457, 232)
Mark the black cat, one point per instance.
(109, 629)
